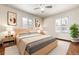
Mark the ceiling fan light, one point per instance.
(42, 9)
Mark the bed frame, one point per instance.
(43, 51)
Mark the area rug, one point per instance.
(61, 49)
(12, 50)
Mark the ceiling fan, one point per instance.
(42, 7)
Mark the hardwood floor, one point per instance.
(72, 50)
(2, 51)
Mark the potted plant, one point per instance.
(74, 32)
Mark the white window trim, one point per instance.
(26, 20)
(61, 26)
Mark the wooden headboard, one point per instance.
(20, 30)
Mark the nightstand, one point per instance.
(8, 41)
(1, 37)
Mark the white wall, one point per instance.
(49, 22)
(3, 15)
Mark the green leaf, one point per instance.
(74, 31)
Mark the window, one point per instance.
(30, 23)
(27, 23)
(62, 24)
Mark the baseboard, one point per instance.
(63, 39)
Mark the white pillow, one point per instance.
(29, 35)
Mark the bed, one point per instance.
(35, 43)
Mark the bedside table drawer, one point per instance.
(8, 43)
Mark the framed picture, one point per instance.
(37, 22)
(11, 18)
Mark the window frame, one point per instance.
(62, 28)
(28, 23)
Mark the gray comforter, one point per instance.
(36, 45)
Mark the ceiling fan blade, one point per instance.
(36, 8)
(48, 6)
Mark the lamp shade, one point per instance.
(6, 30)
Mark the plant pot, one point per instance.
(75, 40)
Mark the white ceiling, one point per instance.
(57, 8)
